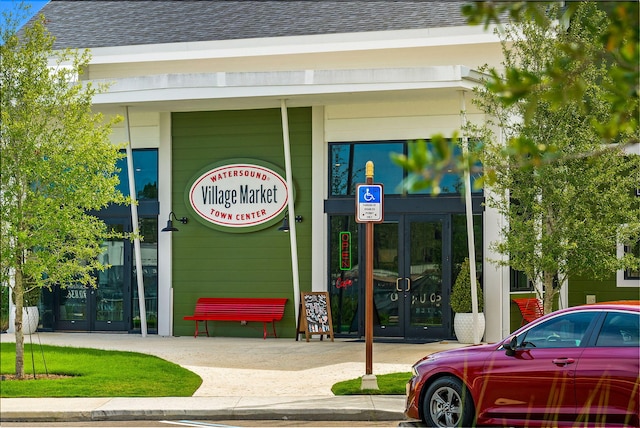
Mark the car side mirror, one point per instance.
(510, 346)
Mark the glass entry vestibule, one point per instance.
(416, 260)
(418, 249)
(113, 305)
(411, 276)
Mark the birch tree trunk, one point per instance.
(18, 295)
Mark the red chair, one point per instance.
(530, 308)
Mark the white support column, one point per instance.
(319, 162)
(165, 259)
(291, 208)
(136, 228)
(477, 334)
(496, 278)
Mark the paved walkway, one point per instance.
(242, 378)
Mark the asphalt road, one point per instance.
(217, 424)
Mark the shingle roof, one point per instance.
(90, 24)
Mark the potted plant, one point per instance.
(30, 311)
(461, 305)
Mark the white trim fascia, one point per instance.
(179, 87)
(621, 281)
(343, 42)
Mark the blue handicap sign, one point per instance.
(369, 203)
(370, 194)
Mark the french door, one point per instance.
(412, 277)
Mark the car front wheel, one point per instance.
(448, 404)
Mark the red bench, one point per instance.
(530, 308)
(243, 309)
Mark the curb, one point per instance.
(321, 408)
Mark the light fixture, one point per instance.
(285, 223)
(170, 227)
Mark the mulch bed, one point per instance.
(38, 376)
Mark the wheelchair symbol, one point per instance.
(368, 196)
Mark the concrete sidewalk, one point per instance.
(242, 379)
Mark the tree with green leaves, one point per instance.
(560, 81)
(562, 75)
(57, 165)
(566, 216)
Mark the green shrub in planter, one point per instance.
(461, 293)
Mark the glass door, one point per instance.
(411, 277)
(427, 276)
(111, 299)
(388, 307)
(107, 307)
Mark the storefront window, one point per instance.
(518, 281)
(348, 162)
(145, 165)
(460, 246)
(632, 273)
(450, 183)
(149, 255)
(343, 244)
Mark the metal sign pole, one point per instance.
(368, 331)
(369, 380)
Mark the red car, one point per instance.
(576, 366)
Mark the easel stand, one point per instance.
(314, 316)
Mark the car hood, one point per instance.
(472, 351)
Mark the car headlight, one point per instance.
(425, 360)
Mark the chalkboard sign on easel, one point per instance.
(314, 316)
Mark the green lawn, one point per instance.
(389, 384)
(99, 373)
(94, 373)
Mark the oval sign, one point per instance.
(239, 195)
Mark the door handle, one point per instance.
(398, 289)
(563, 361)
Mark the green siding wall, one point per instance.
(212, 263)
(580, 287)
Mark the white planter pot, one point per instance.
(30, 319)
(463, 327)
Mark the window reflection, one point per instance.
(149, 256)
(634, 249)
(344, 276)
(111, 281)
(565, 331)
(145, 167)
(451, 182)
(348, 162)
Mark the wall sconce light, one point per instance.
(170, 227)
(285, 223)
